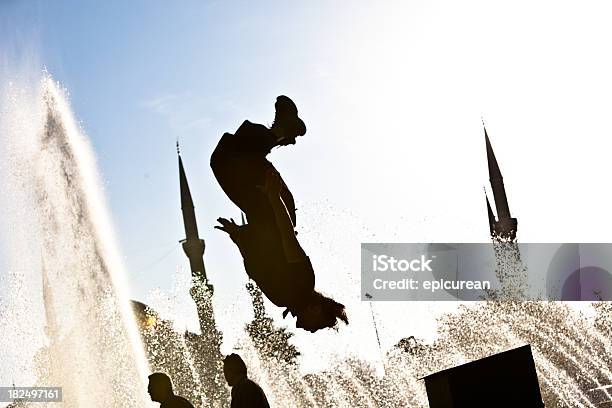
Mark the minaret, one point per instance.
(207, 345)
(505, 226)
(192, 244)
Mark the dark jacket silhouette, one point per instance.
(176, 402)
(247, 394)
(160, 390)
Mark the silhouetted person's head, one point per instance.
(234, 369)
(320, 312)
(160, 387)
(287, 125)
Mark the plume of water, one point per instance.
(58, 227)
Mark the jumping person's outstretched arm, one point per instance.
(291, 246)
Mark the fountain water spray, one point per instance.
(56, 212)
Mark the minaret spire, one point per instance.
(505, 226)
(192, 244)
(209, 364)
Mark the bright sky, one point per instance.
(392, 94)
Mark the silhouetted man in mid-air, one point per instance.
(245, 392)
(272, 255)
(160, 390)
(240, 165)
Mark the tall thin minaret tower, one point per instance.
(206, 346)
(505, 225)
(192, 244)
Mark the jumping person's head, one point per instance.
(287, 124)
(234, 369)
(319, 313)
(160, 387)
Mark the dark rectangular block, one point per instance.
(507, 379)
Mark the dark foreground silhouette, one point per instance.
(245, 392)
(160, 390)
(272, 255)
(507, 379)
